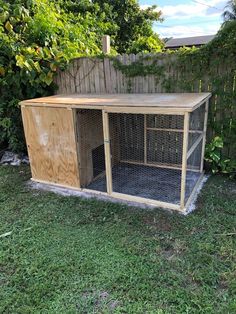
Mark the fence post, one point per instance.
(106, 44)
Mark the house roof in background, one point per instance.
(189, 41)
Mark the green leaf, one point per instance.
(8, 26)
(2, 71)
(27, 65)
(53, 67)
(215, 156)
(37, 67)
(49, 78)
(218, 142)
(4, 16)
(5, 123)
(20, 60)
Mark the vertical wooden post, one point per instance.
(184, 160)
(106, 44)
(204, 134)
(106, 136)
(75, 123)
(145, 139)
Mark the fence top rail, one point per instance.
(183, 101)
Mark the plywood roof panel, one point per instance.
(183, 101)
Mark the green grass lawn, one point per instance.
(70, 255)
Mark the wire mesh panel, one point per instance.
(193, 169)
(147, 155)
(130, 133)
(91, 149)
(196, 125)
(194, 161)
(165, 139)
(195, 142)
(196, 121)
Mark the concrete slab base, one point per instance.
(92, 195)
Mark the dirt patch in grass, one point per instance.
(98, 301)
(161, 224)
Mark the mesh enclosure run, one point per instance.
(149, 151)
(145, 153)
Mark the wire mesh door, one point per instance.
(91, 153)
(146, 155)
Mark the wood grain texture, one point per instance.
(184, 161)
(131, 198)
(51, 144)
(106, 134)
(183, 101)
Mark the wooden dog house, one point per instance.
(145, 148)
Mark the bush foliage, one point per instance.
(38, 36)
(35, 38)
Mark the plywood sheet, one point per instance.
(185, 101)
(51, 145)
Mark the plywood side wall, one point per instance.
(51, 145)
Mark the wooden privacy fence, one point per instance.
(94, 75)
(107, 75)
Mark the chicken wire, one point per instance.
(194, 161)
(148, 158)
(146, 153)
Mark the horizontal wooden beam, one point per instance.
(174, 130)
(122, 109)
(137, 199)
(145, 110)
(158, 165)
